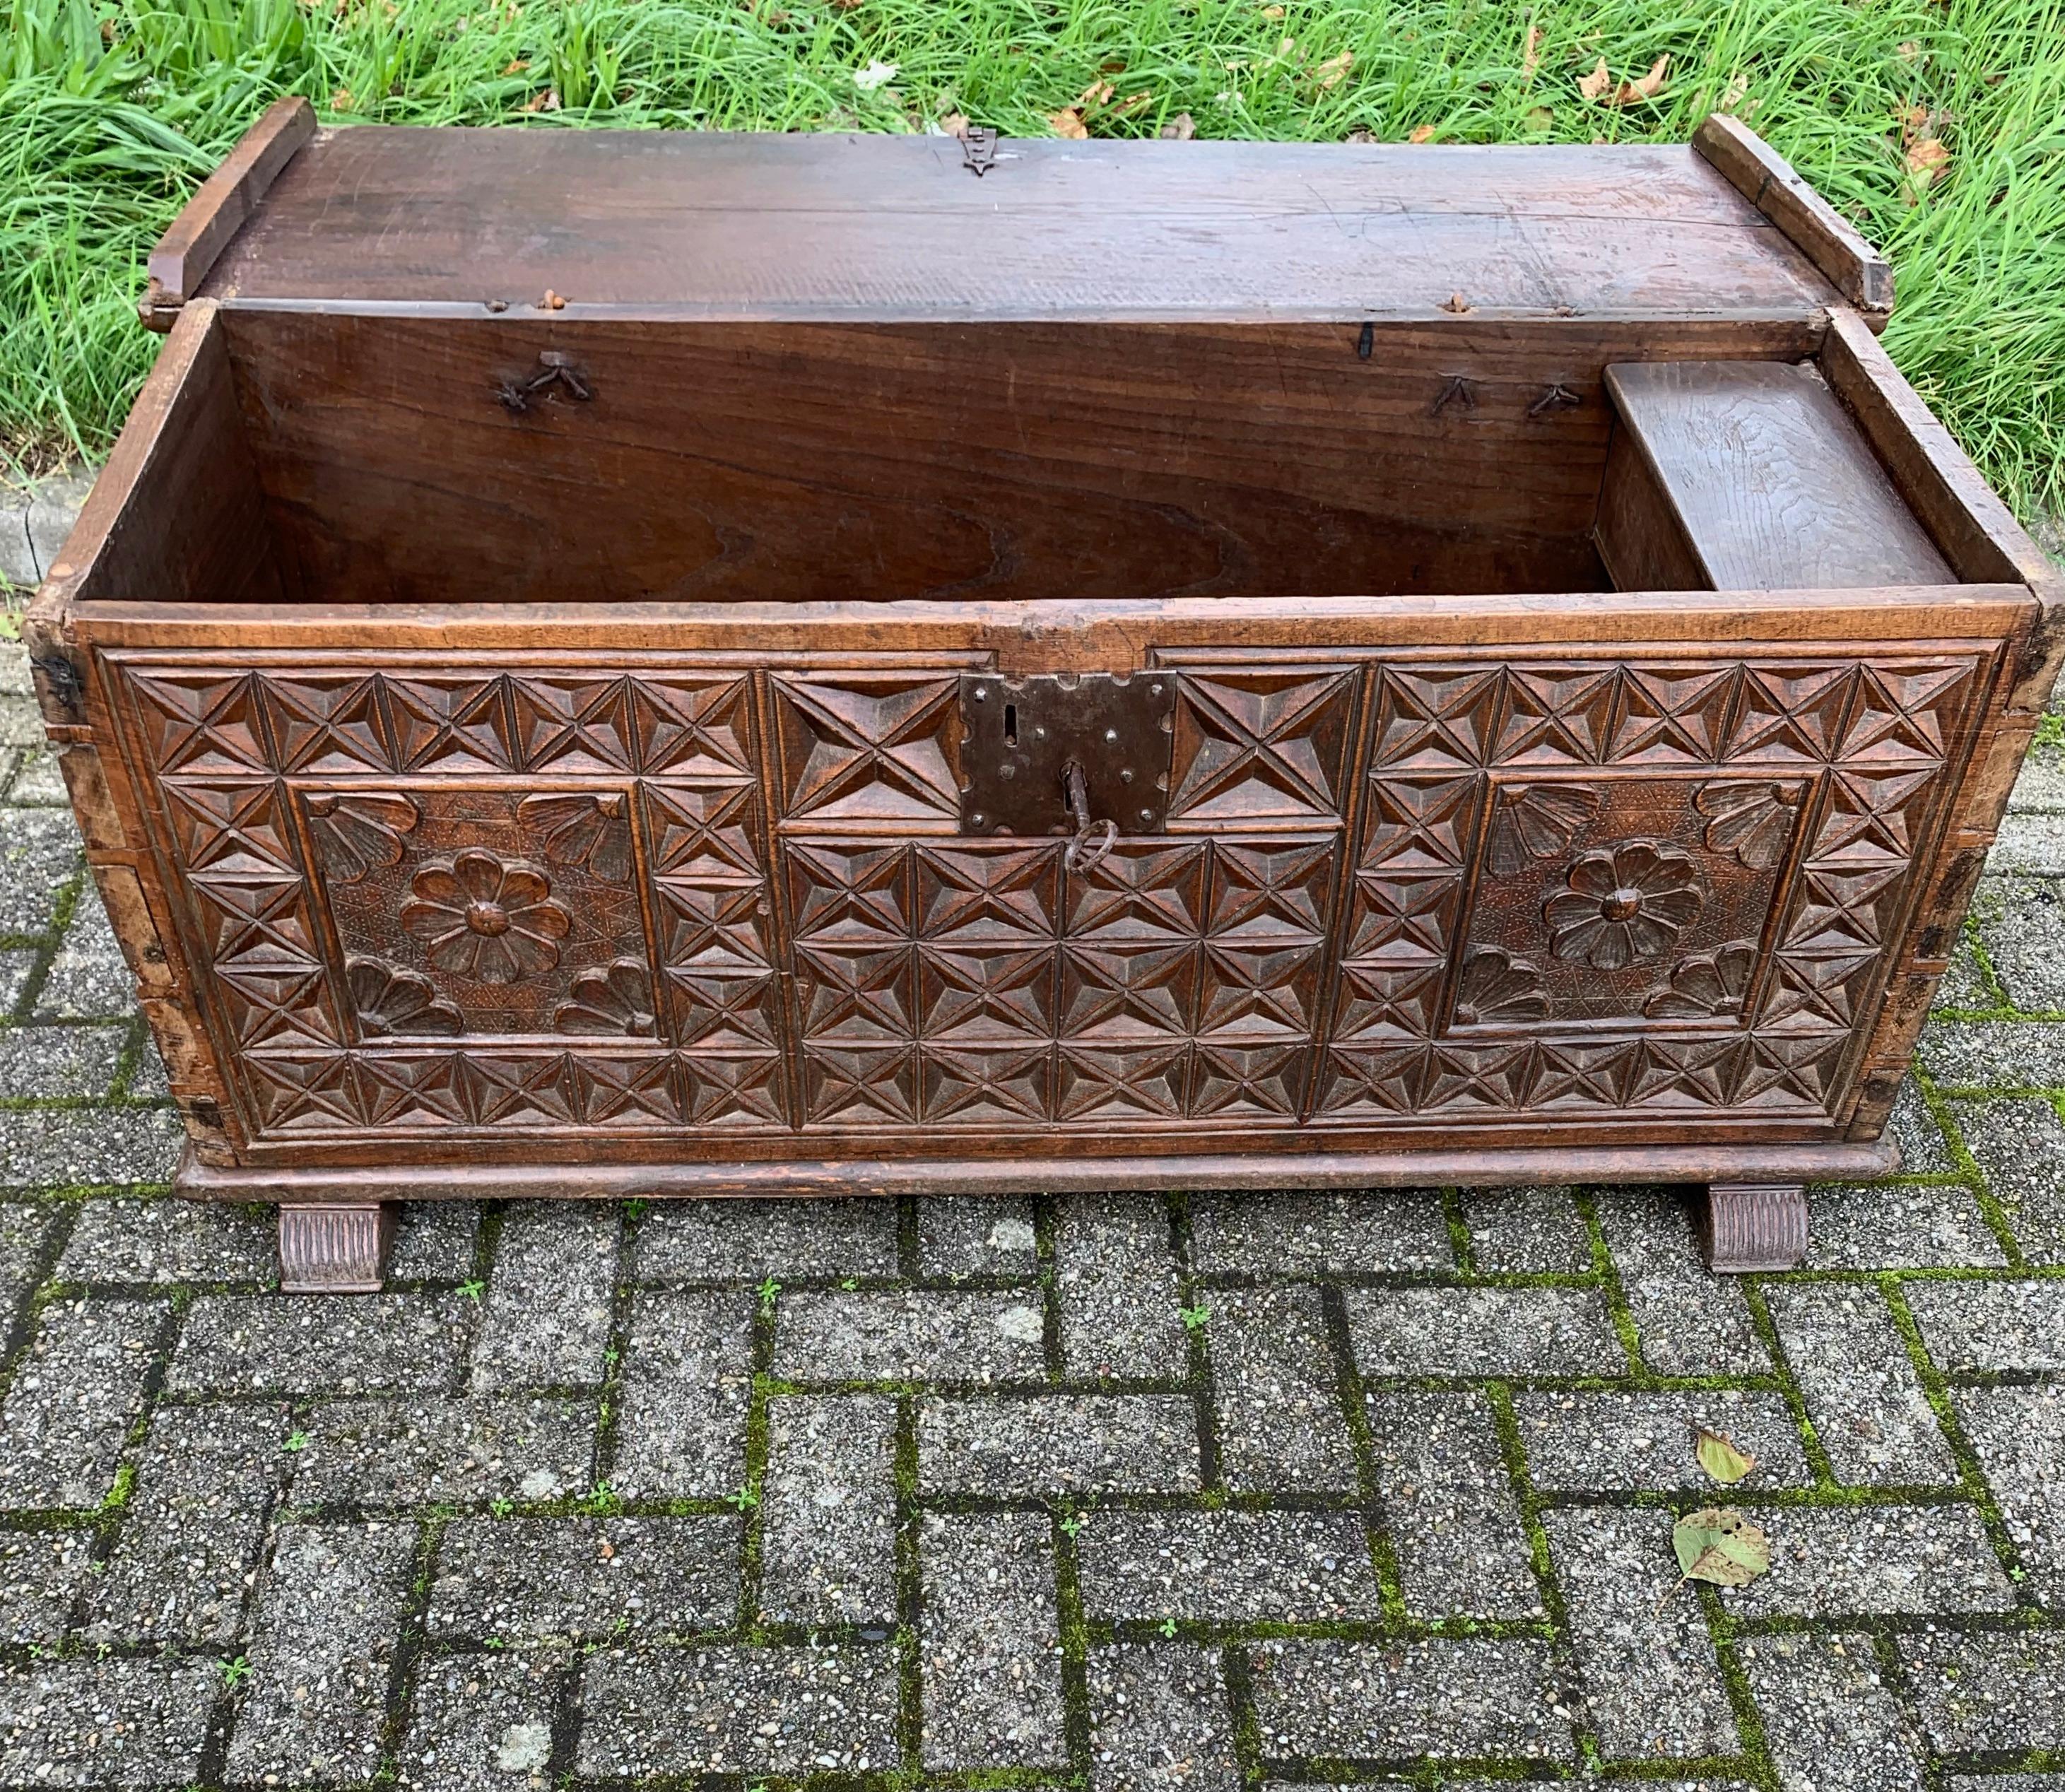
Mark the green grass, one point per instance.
(111, 112)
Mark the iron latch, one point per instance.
(1082, 754)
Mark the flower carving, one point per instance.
(613, 999)
(1752, 820)
(1496, 986)
(388, 999)
(1706, 985)
(590, 828)
(361, 832)
(1624, 904)
(1536, 820)
(480, 917)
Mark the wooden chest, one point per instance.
(661, 664)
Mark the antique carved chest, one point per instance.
(636, 663)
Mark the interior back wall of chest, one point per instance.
(529, 458)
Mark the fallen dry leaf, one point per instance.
(1651, 85)
(1181, 128)
(1595, 84)
(1531, 52)
(1421, 134)
(1333, 71)
(1721, 1459)
(1925, 162)
(1096, 93)
(1069, 123)
(1908, 52)
(549, 101)
(1132, 103)
(1272, 12)
(1718, 1544)
(1361, 133)
(517, 66)
(1457, 303)
(552, 301)
(955, 124)
(342, 101)
(877, 74)
(1733, 95)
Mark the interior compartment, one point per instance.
(513, 457)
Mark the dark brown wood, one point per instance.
(947, 462)
(1756, 477)
(818, 228)
(529, 751)
(338, 1247)
(990, 1174)
(1750, 1226)
(229, 197)
(1768, 180)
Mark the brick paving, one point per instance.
(1130, 1492)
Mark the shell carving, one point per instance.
(587, 829)
(388, 999)
(613, 999)
(359, 832)
(1752, 820)
(1495, 988)
(1534, 820)
(1707, 985)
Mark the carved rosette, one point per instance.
(390, 1000)
(611, 1000)
(482, 916)
(1624, 905)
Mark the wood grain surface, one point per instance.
(814, 227)
(1767, 478)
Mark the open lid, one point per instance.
(714, 225)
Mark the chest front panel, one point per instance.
(721, 900)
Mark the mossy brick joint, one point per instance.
(638, 664)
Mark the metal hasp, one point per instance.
(1021, 735)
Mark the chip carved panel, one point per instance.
(498, 898)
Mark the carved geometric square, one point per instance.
(975, 896)
(974, 1085)
(736, 1008)
(854, 894)
(987, 993)
(733, 1090)
(860, 1085)
(691, 726)
(1381, 1001)
(574, 724)
(1251, 744)
(1113, 1084)
(1405, 917)
(871, 747)
(327, 724)
(1140, 892)
(855, 991)
(1128, 989)
(201, 721)
(1262, 988)
(1276, 889)
(1557, 715)
(1672, 715)
(1434, 717)
(708, 833)
(1420, 823)
(1247, 1079)
(450, 724)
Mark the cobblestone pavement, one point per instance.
(1096, 1493)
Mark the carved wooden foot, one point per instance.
(1755, 1226)
(335, 1249)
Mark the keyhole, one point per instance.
(1010, 724)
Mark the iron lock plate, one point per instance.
(1021, 734)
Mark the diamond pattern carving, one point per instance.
(1252, 746)
(913, 979)
(879, 747)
